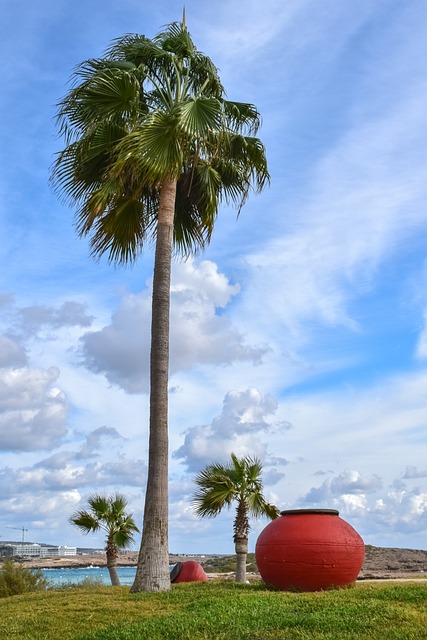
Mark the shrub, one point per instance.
(16, 579)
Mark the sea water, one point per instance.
(75, 575)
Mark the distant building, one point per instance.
(34, 550)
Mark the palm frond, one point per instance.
(210, 502)
(153, 150)
(119, 232)
(123, 539)
(83, 165)
(99, 505)
(117, 504)
(216, 490)
(85, 522)
(135, 49)
(200, 115)
(112, 95)
(241, 117)
(112, 92)
(176, 40)
(196, 207)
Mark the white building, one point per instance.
(35, 550)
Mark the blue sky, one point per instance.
(299, 336)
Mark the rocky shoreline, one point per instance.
(380, 562)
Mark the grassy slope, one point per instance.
(218, 611)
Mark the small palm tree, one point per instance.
(109, 515)
(239, 482)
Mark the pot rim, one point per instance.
(295, 512)
(175, 571)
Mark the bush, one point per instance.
(16, 579)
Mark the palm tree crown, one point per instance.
(151, 110)
(108, 514)
(238, 482)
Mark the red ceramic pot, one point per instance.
(309, 550)
(188, 571)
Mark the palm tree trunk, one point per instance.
(111, 553)
(241, 530)
(153, 562)
(241, 548)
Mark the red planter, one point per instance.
(188, 571)
(309, 550)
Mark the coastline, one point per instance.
(380, 563)
(128, 559)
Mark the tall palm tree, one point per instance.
(152, 150)
(237, 482)
(109, 515)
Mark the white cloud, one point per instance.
(48, 514)
(100, 463)
(353, 503)
(200, 334)
(413, 473)
(32, 411)
(352, 482)
(241, 428)
(96, 438)
(121, 349)
(402, 511)
(272, 476)
(12, 354)
(69, 314)
(349, 486)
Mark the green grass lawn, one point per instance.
(218, 611)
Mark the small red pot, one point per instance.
(309, 550)
(188, 571)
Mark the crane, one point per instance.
(23, 529)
